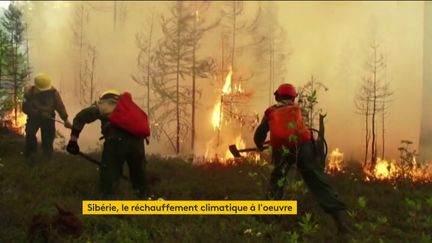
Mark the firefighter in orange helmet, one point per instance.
(291, 143)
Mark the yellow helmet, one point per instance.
(42, 82)
(109, 92)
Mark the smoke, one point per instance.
(326, 39)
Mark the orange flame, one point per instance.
(18, 125)
(240, 143)
(217, 116)
(227, 86)
(335, 163)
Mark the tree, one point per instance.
(236, 28)
(425, 140)
(3, 53)
(308, 100)
(385, 105)
(373, 100)
(172, 57)
(17, 68)
(81, 16)
(271, 50)
(88, 86)
(86, 59)
(362, 104)
(177, 67)
(145, 60)
(201, 68)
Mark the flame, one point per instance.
(18, 125)
(335, 163)
(217, 116)
(384, 169)
(240, 143)
(227, 86)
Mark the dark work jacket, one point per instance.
(91, 114)
(37, 102)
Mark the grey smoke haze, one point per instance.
(326, 39)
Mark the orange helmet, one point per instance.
(286, 90)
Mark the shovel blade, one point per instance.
(234, 151)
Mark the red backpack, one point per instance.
(130, 117)
(286, 127)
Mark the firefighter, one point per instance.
(291, 143)
(119, 146)
(40, 102)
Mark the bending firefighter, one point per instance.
(291, 143)
(124, 126)
(41, 100)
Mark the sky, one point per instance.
(329, 40)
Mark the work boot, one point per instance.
(343, 222)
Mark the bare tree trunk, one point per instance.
(148, 63)
(374, 104)
(425, 140)
(383, 131)
(92, 91)
(193, 83)
(115, 15)
(366, 139)
(178, 82)
(15, 78)
(233, 36)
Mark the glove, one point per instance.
(73, 147)
(67, 124)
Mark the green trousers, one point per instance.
(47, 128)
(116, 151)
(313, 175)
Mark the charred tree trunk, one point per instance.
(178, 84)
(374, 110)
(148, 63)
(425, 141)
(193, 82)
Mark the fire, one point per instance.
(227, 86)
(385, 169)
(240, 143)
(217, 116)
(335, 163)
(18, 125)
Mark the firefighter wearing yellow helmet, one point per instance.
(40, 103)
(119, 146)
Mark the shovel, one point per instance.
(91, 159)
(236, 152)
(97, 162)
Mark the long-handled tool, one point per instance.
(97, 162)
(91, 159)
(236, 152)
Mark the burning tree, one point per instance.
(371, 100)
(14, 67)
(234, 99)
(176, 60)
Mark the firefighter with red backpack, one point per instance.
(291, 142)
(124, 127)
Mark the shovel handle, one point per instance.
(250, 149)
(94, 161)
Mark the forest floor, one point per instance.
(382, 212)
